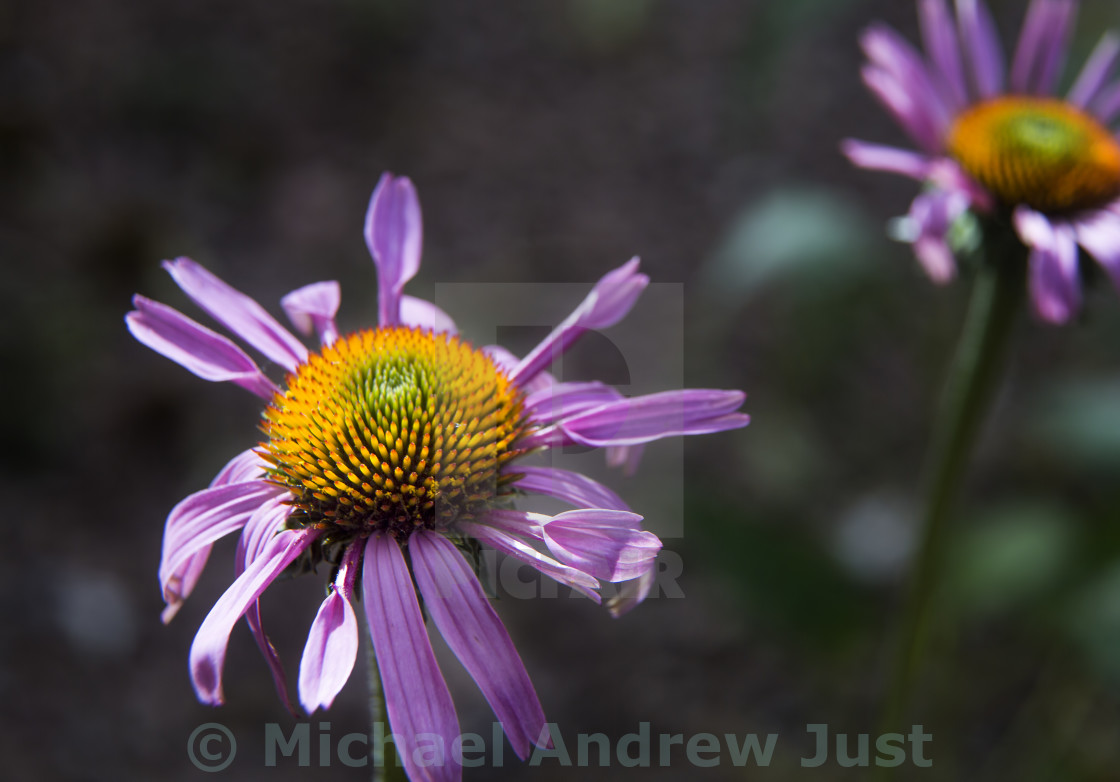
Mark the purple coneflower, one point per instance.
(390, 452)
(1003, 146)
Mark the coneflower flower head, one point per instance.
(391, 454)
(1003, 144)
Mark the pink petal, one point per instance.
(608, 303)
(208, 652)
(940, 39)
(394, 233)
(238, 313)
(606, 544)
(631, 593)
(332, 644)
(416, 696)
(579, 490)
(1095, 72)
(195, 347)
(561, 400)
(1099, 233)
(981, 45)
(882, 158)
(519, 550)
(199, 520)
(1054, 283)
(315, 306)
(456, 603)
(424, 314)
(642, 419)
(246, 466)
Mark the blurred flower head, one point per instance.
(391, 454)
(1004, 144)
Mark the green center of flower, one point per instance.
(1041, 152)
(392, 429)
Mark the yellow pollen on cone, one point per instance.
(393, 429)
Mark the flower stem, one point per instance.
(385, 767)
(973, 378)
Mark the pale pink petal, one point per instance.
(394, 233)
(416, 696)
(246, 466)
(195, 523)
(425, 315)
(939, 36)
(642, 419)
(981, 45)
(631, 593)
(456, 603)
(332, 643)
(314, 307)
(883, 158)
(1099, 233)
(196, 348)
(238, 313)
(573, 487)
(607, 544)
(519, 550)
(1054, 283)
(561, 400)
(1096, 70)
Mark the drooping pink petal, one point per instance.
(631, 593)
(416, 696)
(425, 315)
(314, 307)
(259, 530)
(332, 643)
(981, 45)
(1099, 233)
(208, 652)
(1095, 71)
(195, 523)
(1054, 283)
(456, 603)
(573, 487)
(238, 313)
(642, 419)
(520, 550)
(939, 36)
(394, 233)
(878, 157)
(1055, 45)
(609, 301)
(194, 347)
(607, 544)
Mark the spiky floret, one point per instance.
(393, 429)
(1042, 152)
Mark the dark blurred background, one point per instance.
(549, 141)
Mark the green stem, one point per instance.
(385, 767)
(973, 378)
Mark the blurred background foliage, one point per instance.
(549, 140)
